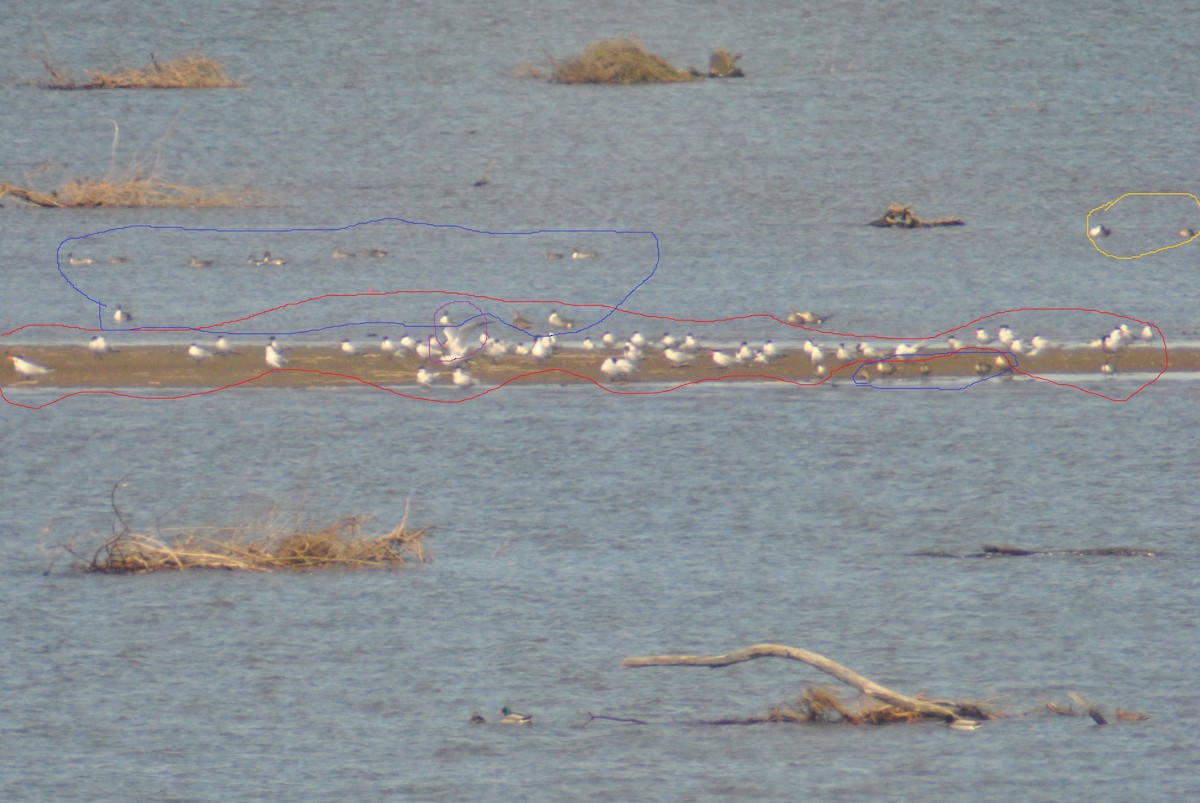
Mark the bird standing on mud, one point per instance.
(28, 369)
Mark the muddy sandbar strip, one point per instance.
(315, 366)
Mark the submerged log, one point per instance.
(902, 217)
(990, 551)
(950, 712)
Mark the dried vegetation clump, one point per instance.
(130, 191)
(618, 61)
(136, 184)
(263, 547)
(189, 71)
(821, 704)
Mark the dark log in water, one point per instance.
(902, 217)
(1020, 552)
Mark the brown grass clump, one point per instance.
(139, 190)
(134, 185)
(189, 71)
(821, 704)
(618, 61)
(136, 190)
(255, 548)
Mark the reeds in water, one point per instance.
(618, 61)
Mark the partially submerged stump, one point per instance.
(900, 216)
(956, 714)
(722, 64)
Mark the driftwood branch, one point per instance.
(842, 673)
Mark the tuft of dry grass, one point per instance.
(822, 704)
(133, 191)
(254, 547)
(189, 71)
(135, 185)
(618, 61)
(138, 190)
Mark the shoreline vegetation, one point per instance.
(327, 366)
(189, 71)
(626, 61)
(259, 547)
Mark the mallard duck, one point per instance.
(514, 719)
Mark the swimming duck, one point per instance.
(511, 718)
(338, 253)
(74, 260)
(1100, 231)
(197, 262)
(376, 253)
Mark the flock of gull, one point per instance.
(458, 344)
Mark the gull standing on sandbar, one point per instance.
(99, 346)
(28, 369)
(274, 355)
(198, 353)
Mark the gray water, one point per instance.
(575, 528)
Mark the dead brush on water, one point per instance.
(254, 547)
(618, 61)
(132, 190)
(135, 185)
(821, 704)
(189, 71)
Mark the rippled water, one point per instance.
(576, 528)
